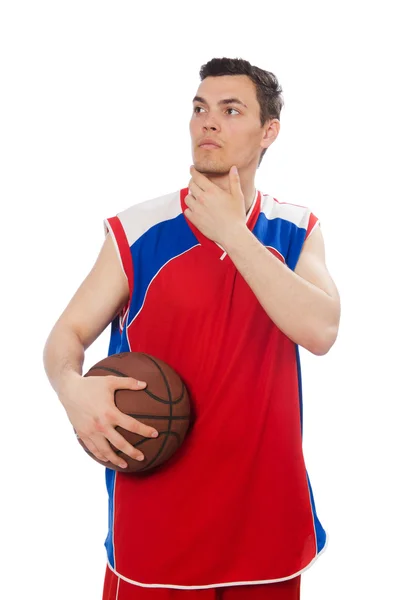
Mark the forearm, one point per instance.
(63, 357)
(304, 312)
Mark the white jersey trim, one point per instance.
(153, 278)
(214, 585)
(139, 218)
(109, 230)
(272, 209)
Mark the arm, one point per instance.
(98, 300)
(89, 402)
(304, 303)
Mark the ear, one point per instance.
(271, 130)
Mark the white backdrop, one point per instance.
(96, 100)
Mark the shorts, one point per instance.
(116, 588)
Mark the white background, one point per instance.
(96, 100)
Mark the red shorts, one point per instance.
(116, 588)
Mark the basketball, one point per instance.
(163, 404)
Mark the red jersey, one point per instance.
(234, 505)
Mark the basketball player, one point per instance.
(224, 283)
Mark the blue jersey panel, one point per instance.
(160, 244)
(282, 235)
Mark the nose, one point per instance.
(210, 123)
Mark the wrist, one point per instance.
(67, 383)
(234, 236)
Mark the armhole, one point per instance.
(298, 241)
(312, 225)
(116, 230)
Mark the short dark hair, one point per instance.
(268, 89)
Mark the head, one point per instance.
(238, 106)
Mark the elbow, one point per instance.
(325, 334)
(322, 344)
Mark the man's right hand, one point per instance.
(89, 404)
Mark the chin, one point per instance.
(210, 167)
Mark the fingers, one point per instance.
(92, 448)
(102, 451)
(103, 428)
(121, 419)
(98, 442)
(125, 383)
(131, 424)
(119, 442)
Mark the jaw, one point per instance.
(209, 161)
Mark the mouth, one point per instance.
(209, 146)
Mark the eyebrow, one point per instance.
(221, 102)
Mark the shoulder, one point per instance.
(157, 209)
(296, 214)
(138, 218)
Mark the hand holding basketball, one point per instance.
(89, 404)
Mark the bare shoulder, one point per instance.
(100, 297)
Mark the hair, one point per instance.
(268, 89)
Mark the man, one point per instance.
(223, 283)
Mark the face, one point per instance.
(227, 111)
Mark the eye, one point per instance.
(197, 108)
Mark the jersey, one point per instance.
(234, 504)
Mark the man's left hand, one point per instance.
(216, 213)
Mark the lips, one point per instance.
(209, 143)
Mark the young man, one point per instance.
(223, 283)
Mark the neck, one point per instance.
(247, 186)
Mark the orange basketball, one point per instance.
(164, 404)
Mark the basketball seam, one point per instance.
(166, 434)
(170, 402)
(148, 392)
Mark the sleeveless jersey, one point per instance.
(234, 505)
